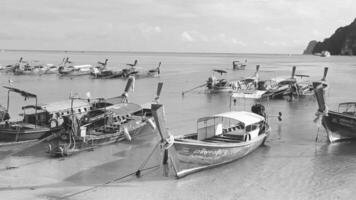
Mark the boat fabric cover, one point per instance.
(124, 108)
(65, 105)
(247, 118)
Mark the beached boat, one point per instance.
(238, 65)
(21, 130)
(99, 127)
(340, 124)
(219, 139)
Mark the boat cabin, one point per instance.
(243, 125)
(41, 115)
(347, 108)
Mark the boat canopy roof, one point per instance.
(347, 107)
(247, 118)
(347, 103)
(65, 105)
(21, 92)
(220, 71)
(115, 100)
(124, 109)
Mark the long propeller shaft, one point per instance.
(199, 86)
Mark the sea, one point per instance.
(297, 162)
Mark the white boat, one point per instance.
(68, 69)
(325, 54)
(250, 87)
(220, 139)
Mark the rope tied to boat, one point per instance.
(319, 116)
(168, 142)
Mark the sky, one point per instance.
(223, 26)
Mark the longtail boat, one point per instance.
(100, 127)
(220, 139)
(22, 130)
(340, 124)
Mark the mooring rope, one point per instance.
(106, 183)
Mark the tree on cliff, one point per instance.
(342, 42)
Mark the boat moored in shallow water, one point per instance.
(99, 127)
(220, 139)
(340, 124)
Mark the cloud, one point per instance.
(169, 25)
(146, 29)
(195, 36)
(186, 37)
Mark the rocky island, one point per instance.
(342, 42)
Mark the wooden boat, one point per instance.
(217, 85)
(101, 72)
(139, 72)
(340, 124)
(219, 139)
(68, 69)
(246, 86)
(250, 87)
(280, 86)
(113, 125)
(237, 65)
(22, 130)
(40, 120)
(99, 127)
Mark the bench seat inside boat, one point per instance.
(226, 138)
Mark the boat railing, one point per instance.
(347, 107)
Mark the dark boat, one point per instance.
(237, 65)
(22, 130)
(99, 127)
(340, 124)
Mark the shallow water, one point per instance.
(292, 165)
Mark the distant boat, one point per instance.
(68, 69)
(325, 54)
(220, 139)
(340, 124)
(238, 65)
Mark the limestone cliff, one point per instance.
(342, 42)
(310, 47)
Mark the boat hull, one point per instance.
(339, 126)
(194, 156)
(254, 94)
(221, 90)
(13, 135)
(62, 147)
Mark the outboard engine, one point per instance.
(211, 82)
(261, 85)
(259, 109)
